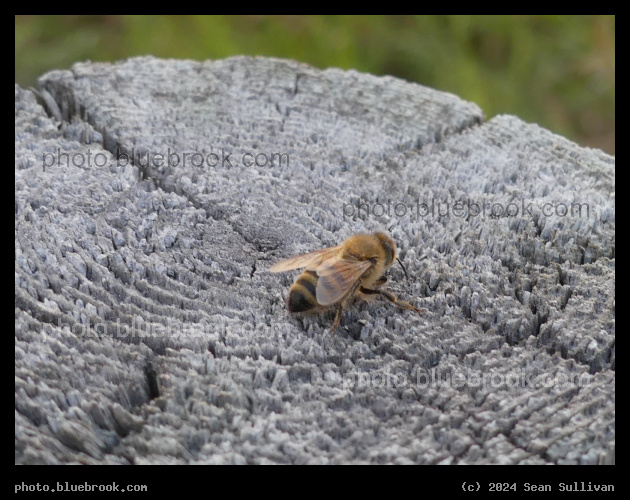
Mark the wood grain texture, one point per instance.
(148, 330)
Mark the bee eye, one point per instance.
(389, 251)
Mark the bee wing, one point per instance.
(310, 260)
(336, 277)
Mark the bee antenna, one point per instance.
(403, 268)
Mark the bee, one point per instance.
(336, 275)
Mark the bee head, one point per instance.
(389, 246)
(390, 251)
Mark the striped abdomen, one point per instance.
(302, 293)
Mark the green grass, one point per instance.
(557, 71)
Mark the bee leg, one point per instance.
(337, 318)
(392, 298)
(343, 303)
(380, 282)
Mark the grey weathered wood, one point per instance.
(147, 329)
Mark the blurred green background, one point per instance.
(557, 71)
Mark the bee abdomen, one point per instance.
(302, 293)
